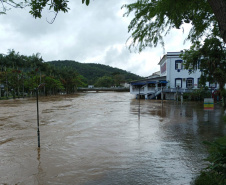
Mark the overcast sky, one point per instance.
(88, 34)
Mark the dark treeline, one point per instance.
(97, 73)
(20, 75)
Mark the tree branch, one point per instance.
(219, 9)
(4, 9)
(52, 21)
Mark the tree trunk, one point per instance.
(224, 101)
(219, 10)
(223, 93)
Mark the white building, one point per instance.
(171, 66)
(90, 86)
(169, 81)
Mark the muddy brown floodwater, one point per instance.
(104, 138)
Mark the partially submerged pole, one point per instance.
(38, 131)
(139, 104)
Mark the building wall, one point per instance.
(180, 74)
(171, 70)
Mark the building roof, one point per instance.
(169, 54)
(154, 75)
(159, 79)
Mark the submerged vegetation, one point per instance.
(215, 172)
(20, 75)
(197, 94)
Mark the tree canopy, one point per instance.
(21, 74)
(92, 72)
(210, 59)
(37, 6)
(155, 18)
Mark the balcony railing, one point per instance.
(151, 90)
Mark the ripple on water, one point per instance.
(104, 138)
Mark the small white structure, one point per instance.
(170, 80)
(90, 86)
(125, 85)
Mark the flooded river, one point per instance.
(104, 138)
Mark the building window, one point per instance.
(178, 82)
(190, 83)
(178, 64)
(163, 68)
(212, 85)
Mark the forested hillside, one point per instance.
(92, 72)
(21, 75)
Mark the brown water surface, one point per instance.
(104, 138)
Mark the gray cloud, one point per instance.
(95, 33)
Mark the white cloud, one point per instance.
(96, 33)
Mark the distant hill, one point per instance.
(93, 71)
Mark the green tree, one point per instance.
(19, 73)
(104, 81)
(38, 6)
(155, 18)
(118, 79)
(70, 79)
(93, 71)
(52, 85)
(210, 58)
(215, 173)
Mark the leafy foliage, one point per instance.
(197, 94)
(210, 58)
(54, 5)
(104, 81)
(206, 178)
(21, 74)
(86, 1)
(37, 6)
(217, 159)
(215, 173)
(155, 18)
(92, 72)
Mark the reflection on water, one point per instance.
(104, 138)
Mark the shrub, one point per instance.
(217, 159)
(197, 94)
(215, 173)
(206, 178)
